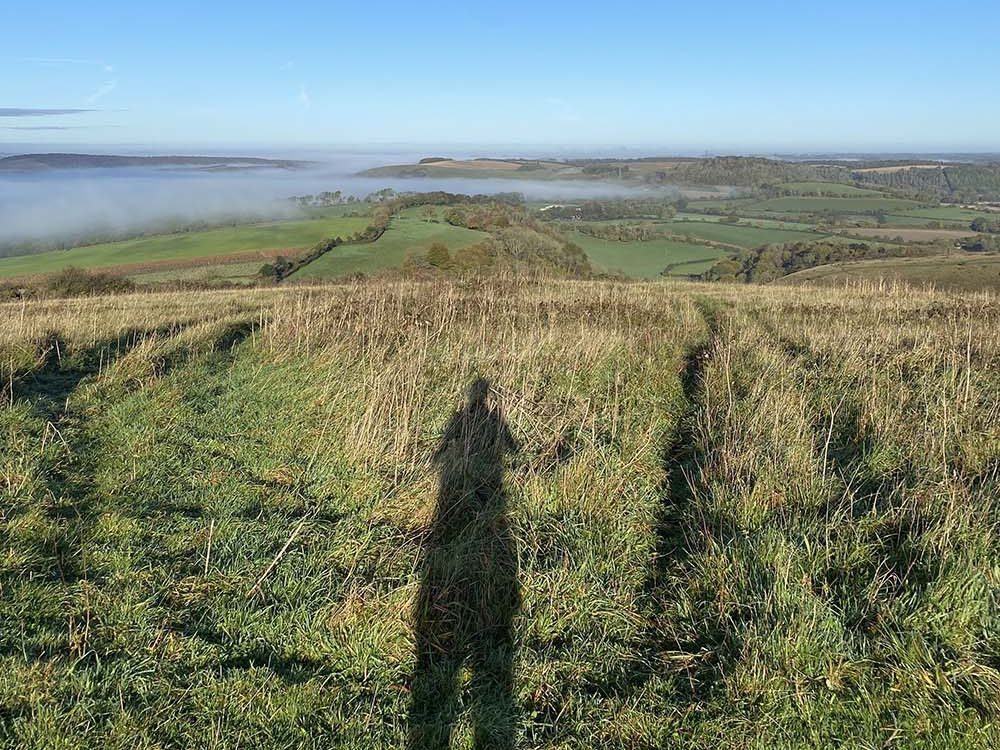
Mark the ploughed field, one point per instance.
(565, 514)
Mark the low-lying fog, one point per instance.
(76, 203)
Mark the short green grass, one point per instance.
(835, 205)
(830, 188)
(721, 203)
(289, 235)
(408, 234)
(648, 260)
(910, 221)
(947, 213)
(740, 234)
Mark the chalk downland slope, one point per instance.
(700, 516)
(960, 272)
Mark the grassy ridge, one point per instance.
(722, 518)
(961, 271)
(407, 235)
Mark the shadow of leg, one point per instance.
(434, 701)
(494, 710)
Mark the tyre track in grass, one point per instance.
(683, 457)
(72, 505)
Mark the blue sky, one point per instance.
(669, 76)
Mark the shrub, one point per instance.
(76, 282)
(438, 256)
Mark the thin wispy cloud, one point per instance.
(304, 97)
(103, 91)
(288, 65)
(45, 127)
(65, 61)
(38, 112)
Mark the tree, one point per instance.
(439, 256)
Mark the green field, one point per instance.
(830, 188)
(909, 221)
(289, 235)
(407, 235)
(948, 213)
(647, 260)
(741, 235)
(835, 205)
(761, 223)
(726, 204)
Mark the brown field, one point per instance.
(502, 166)
(176, 264)
(901, 168)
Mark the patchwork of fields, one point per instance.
(686, 245)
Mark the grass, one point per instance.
(234, 272)
(908, 220)
(830, 188)
(947, 214)
(408, 234)
(674, 515)
(723, 203)
(961, 271)
(185, 247)
(833, 205)
(740, 235)
(683, 216)
(647, 260)
(909, 234)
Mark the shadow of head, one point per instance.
(479, 390)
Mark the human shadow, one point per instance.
(469, 591)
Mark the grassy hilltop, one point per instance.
(556, 514)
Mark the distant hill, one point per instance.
(955, 181)
(39, 162)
